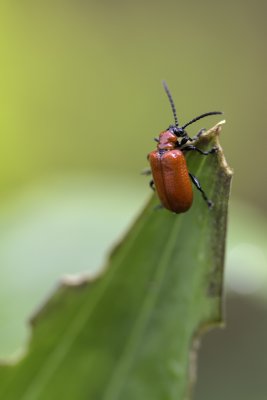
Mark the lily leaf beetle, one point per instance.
(171, 178)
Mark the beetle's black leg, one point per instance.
(152, 185)
(158, 207)
(205, 153)
(146, 171)
(198, 134)
(184, 141)
(197, 184)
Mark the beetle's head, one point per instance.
(178, 131)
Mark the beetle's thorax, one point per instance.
(167, 140)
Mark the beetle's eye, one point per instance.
(179, 132)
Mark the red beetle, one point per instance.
(171, 177)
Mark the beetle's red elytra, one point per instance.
(171, 178)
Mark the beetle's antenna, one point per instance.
(172, 102)
(201, 116)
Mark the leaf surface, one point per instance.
(128, 332)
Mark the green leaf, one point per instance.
(128, 333)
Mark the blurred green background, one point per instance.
(80, 103)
